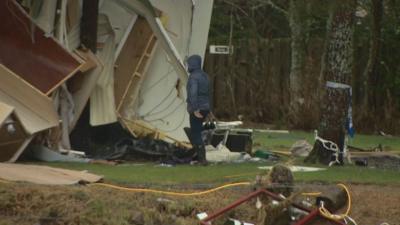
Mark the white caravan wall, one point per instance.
(159, 102)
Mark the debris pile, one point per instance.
(277, 199)
(120, 61)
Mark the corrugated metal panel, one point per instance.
(102, 103)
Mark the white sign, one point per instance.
(221, 49)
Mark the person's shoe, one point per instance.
(202, 155)
(203, 163)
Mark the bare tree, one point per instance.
(337, 68)
(371, 73)
(298, 26)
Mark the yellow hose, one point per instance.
(181, 194)
(325, 212)
(311, 193)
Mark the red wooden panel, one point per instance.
(25, 50)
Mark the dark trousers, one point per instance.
(196, 127)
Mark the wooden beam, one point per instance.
(130, 62)
(90, 12)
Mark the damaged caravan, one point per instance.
(123, 60)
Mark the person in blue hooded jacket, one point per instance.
(198, 104)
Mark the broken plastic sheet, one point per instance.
(47, 155)
(222, 154)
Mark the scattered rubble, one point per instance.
(301, 148)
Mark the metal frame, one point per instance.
(310, 217)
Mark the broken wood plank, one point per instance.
(34, 109)
(45, 63)
(89, 60)
(5, 112)
(130, 58)
(129, 99)
(44, 174)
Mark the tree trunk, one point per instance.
(371, 76)
(338, 68)
(298, 26)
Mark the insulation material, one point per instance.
(34, 109)
(160, 104)
(47, 155)
(45, 175)
(66, 111)
(47, 15)
(51, 63)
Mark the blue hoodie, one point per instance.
(198, 87)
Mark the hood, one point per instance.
(194, 63)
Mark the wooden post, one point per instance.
(90, 11)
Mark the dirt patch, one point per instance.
(37, 204)
(374, 205)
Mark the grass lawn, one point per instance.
(276, 141)
(151, 174)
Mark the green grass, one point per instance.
(352, 174)
(275, 141)
(153, 175)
